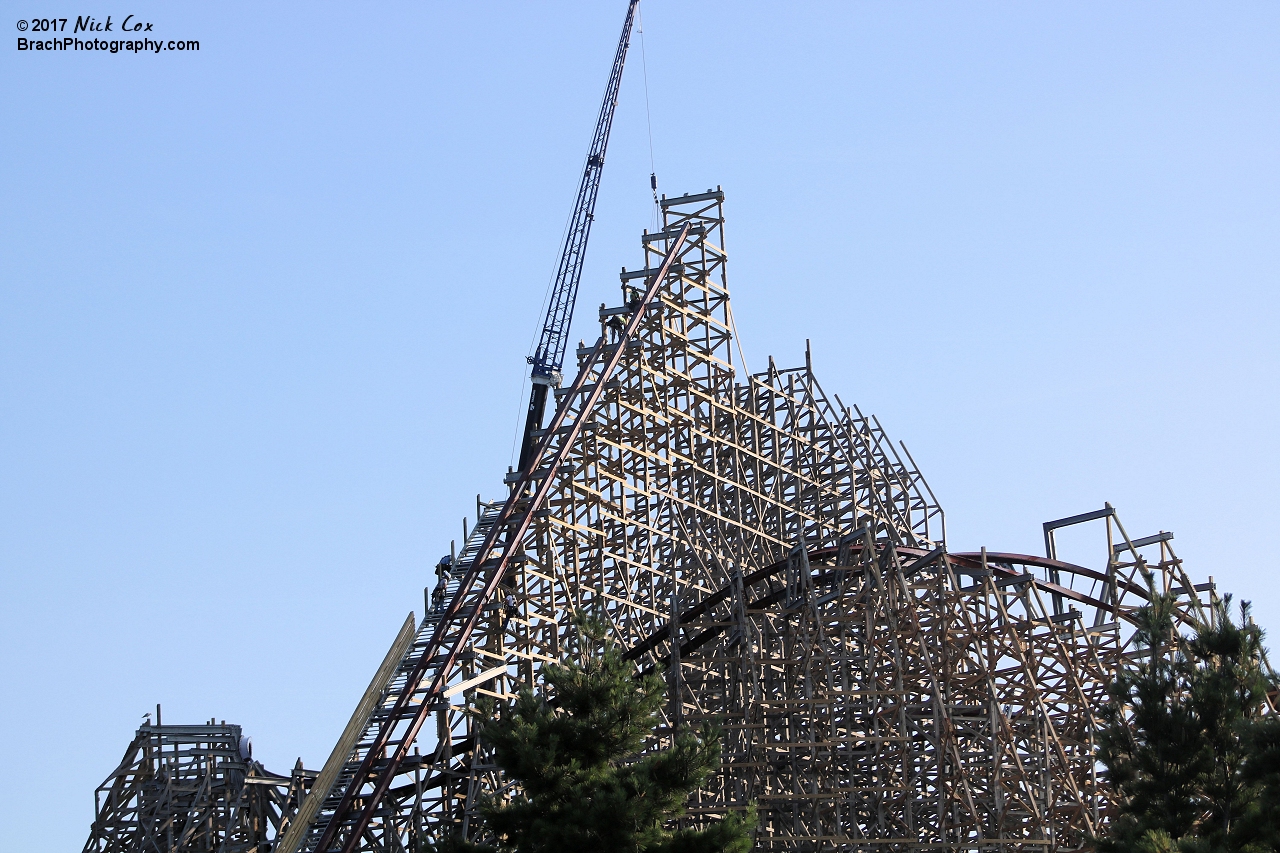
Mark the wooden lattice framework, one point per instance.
(192, 788)
(773, 554)
(783, 564)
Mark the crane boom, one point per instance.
(359, 773)
(548, 358)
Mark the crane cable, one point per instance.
(653, 171)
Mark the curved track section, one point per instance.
(781, 562)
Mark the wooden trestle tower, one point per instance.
(783, 563)
(770, 551)
(193, 788)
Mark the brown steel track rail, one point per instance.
(463, 612)
(919, 558)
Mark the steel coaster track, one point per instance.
(401, 724)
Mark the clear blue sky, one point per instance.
(264, 306)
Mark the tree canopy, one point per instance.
(1188, 745)
(581, 782)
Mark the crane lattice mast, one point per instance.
(349, 790)
(548, 358)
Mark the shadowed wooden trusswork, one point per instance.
(783, 563)
(193, 788)
(777, 558)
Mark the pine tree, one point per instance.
(1194, 763)
(580, 783)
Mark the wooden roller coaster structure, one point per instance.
(769, 551)
(783, 564)
(763, 546)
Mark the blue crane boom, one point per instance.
(548, 358)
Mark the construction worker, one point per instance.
(443, 572)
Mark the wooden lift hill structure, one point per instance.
(783, 564)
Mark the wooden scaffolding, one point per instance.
(783, 563)
(193, 788)
(778, 559)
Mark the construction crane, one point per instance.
(348, 791)
(548, 358)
